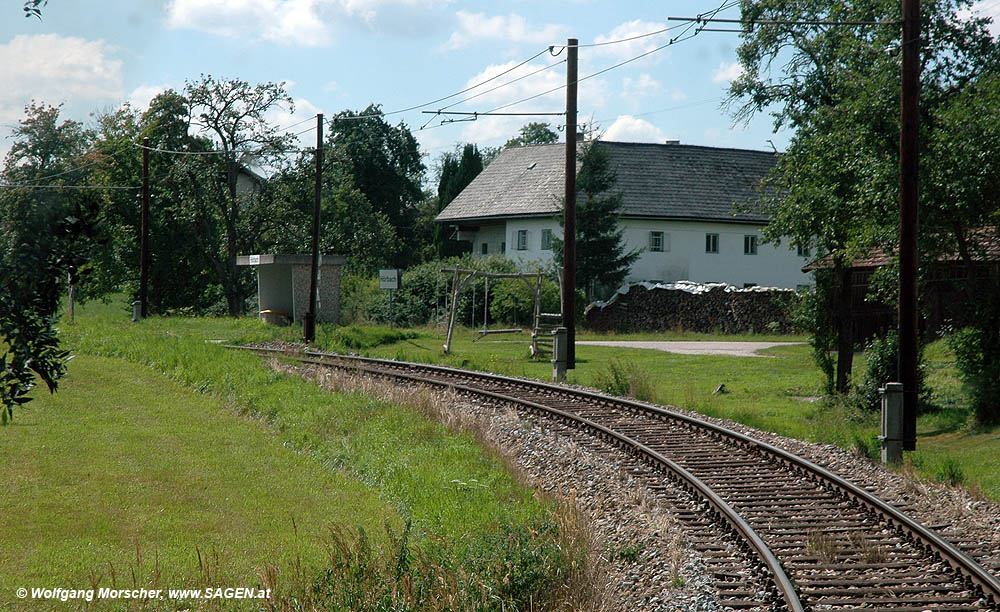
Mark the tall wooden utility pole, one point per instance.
(309, 319)
(569, 223)
(908, 173)
(144, 238)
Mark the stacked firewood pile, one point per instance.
(693, 307)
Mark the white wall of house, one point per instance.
(532, 240)
(684, 255)
(492, 236)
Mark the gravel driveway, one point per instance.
(735, 349)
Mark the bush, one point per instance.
(358, 294)
(512, 301)
(426, 292)
(977, 357)
(882, 366)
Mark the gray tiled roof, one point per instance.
(669, 181)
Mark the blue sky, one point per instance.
(346, 54)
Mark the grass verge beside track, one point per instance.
(385, 517)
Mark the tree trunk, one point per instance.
(845, 329)
(231, 287)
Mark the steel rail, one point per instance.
(988, 584)
(783, 585)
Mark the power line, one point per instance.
(286, 128)
(512, 81)
(52, 176)
(629, 39)
(108, 187)
(664, 110)
(336, 118)
(752, 22)
(679, 38)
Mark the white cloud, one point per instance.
(641, 87)
(53, 69)
(633, 48)
(512, 28)
(371, 10)
(632, 129)
(141, 96)
(727, 72)
(299, 22)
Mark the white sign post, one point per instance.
(389, 279)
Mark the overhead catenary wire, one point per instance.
(679, 38)
(336, 118)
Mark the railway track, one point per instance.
(812, 540)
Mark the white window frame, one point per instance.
(750, 244)
(522, 240)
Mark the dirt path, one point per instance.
(735, 349)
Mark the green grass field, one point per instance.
(166, 457)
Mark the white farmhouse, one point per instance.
(681, 209)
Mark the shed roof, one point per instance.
(670, 181)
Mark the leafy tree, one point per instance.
(46, 237)
(963, 183)
(180, 276)
(383, 162)
(227, 220)
(835, 188)
(533, 133)
(458, 169)
(349, 224)
(601, 260)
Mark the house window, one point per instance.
(503, 247)
(522, 240)
(486, 248)
(546, 240)
(711, 243)
(657, 242)
(750, 244)
(803, 251)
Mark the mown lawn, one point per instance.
(161, 446)
(123, 471)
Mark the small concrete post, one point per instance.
(136, 310)
(559, 346)
(892, 423)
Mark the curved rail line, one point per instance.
(904, 588)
